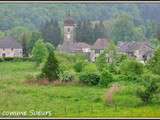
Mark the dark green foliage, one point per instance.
(24, 45)
(15, 59)
(105, 78)
(99, 30)
(146, 94)
(78, 66)
(84, 32)
(51, 32)
(89, 78)
(51, 68)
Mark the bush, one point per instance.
(121, 77)
(146, 93)
(15, 59)
(89, 78)
(90, 68)
(67, 76)
(131, 67)
(78, 66)
(1, 59)
(51, 68)
(105, 78)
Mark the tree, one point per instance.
(24, 45)
(151, 29)
(34, 37)
(50, 47)
(123, 28)
(39, 52)
(154, 62)
(23, 35)
(99, 30)
(85, 32)
(51, 32)
(51, 67)
(2, 34)
(101, 61)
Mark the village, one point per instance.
(142, 51)
(65, 61)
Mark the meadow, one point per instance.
(64, 100)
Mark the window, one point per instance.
(3, 49)
(3, 55)
(12, 49)
(68, 29)
(97, 51)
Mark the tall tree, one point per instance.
(123, 28)
(51, 32)
(24, 45)
(99, 30)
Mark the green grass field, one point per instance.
(65, 100)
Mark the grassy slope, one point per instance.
(64, 101)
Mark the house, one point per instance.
(9, 47)
(98, 47)
(142, 51)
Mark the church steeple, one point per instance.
(69, 26)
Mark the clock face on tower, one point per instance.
(68, 36)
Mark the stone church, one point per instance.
(70, 45)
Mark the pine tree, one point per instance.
(51, 67)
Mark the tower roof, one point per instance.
(69, 21)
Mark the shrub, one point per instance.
(39, 52)
(51, 68)
(146, 93)
(67, 76)
(154, 63)
(78, 66)
(121, 77)
(1, 59)
(90, 68)
(89, 78)
(15, 59)
(105, 78)
(131, 67)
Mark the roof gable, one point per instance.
(100, 43)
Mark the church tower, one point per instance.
(69, 29)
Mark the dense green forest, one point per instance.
(35, 14)
(125, 22)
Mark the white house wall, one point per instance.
(11, 53)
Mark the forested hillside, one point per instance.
(119, 22)
(33, 15)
